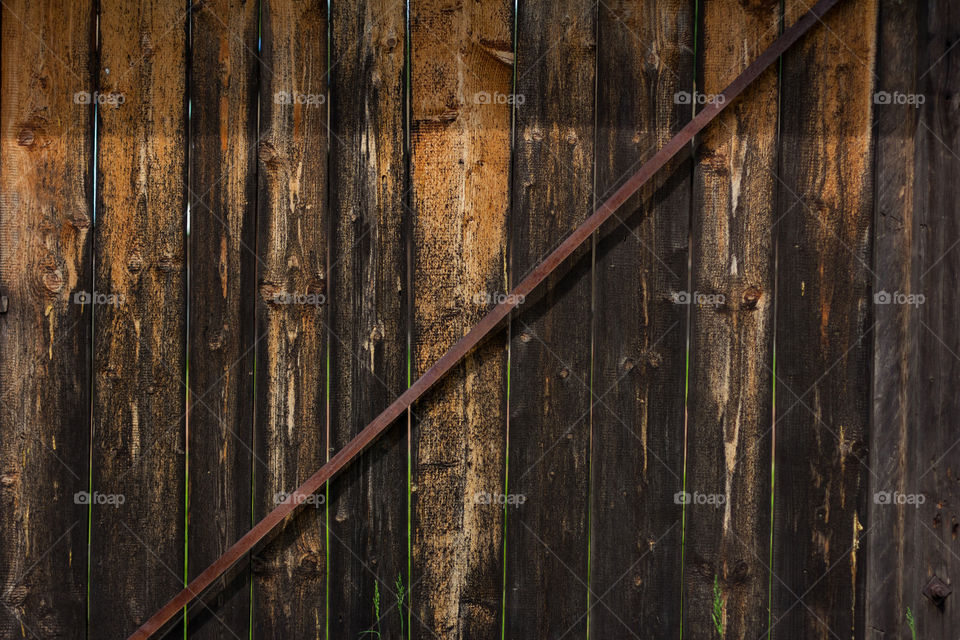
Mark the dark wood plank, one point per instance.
(730, 438)
(547, 538)
(289, 586)
(914, 512)
(645, 57)
(223, 89)
(893, 581)
(139, 446)
(368, 505)
(823, 325)
(46, 147)
(462, 53)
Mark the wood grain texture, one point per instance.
(46, 147)
(139, 447)
(223, 90)
(289, 586)
(547, 537)
(914, 439)
(894, 581)
(644, 57)
(730, 437)
(462, 53)
(823, 325)
(368, 504)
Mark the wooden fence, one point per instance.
(232, 231)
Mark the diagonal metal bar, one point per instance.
(482, 329)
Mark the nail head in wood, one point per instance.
(937, 590)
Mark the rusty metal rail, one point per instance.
(482, 329)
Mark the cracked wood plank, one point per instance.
(730, 430)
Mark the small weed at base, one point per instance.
(376, 611)
(400, 595)
(717, 606)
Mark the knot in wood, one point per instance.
(751, 297)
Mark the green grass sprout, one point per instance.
(717, 606)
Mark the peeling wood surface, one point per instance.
(368, 504)
(915, 346)
(290, 435)
(550, 408)
(46, 147)
(730, 429)
(223, 86)
(139, 439)
(462, 54)
(645, 57)
(824, 324)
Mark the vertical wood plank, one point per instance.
(730, 438)
(289, 587)
(823, 322)
(462, 68)
(223, 89)
(644, 58)
(368, 504)
(139, 330)
(550, 417)
(894, 581)
(933, 453)
(915, 434)
(46, 146)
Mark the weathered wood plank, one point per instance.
(547, 537)
(368, 505)
(289, 585)
(462, 68)
(139, 447)
(46, 147)
(914, 510)
(645, 57)
(893, 580)
(223, 90)
(730, 438)
(823, 324)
